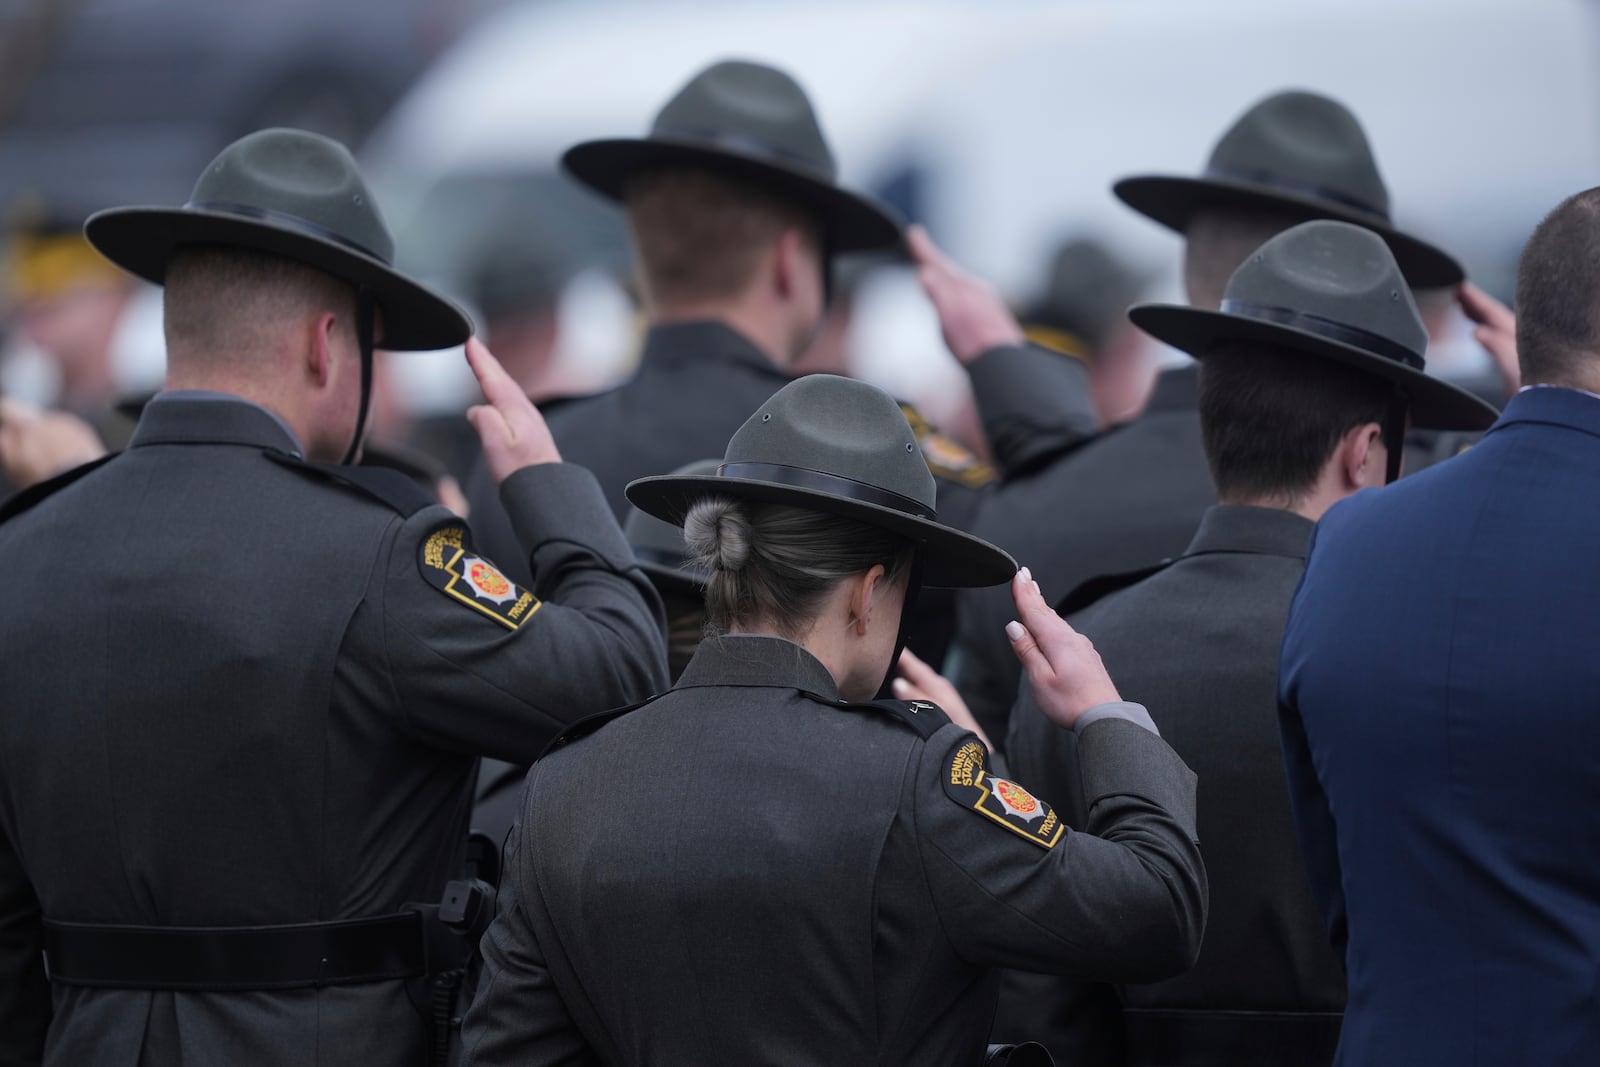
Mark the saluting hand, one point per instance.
(918, 681)
(1062, 666)
(35, 444)
(512, 431)
(971, 314)
(1495, 329)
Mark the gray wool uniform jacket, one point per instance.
(237, 690)
(1197, 642)
(748, 870)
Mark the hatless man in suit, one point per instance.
(1438, 688)
(1309, 374)
(1133, 496)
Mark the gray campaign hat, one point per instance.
(837, 445)
(1331, 290)
(1299, 152)
(659, 546)
(745, 119)
(298, 195)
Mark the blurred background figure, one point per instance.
(1081, 311)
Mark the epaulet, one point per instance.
(1098, 588)
(381, 483)
(24, 499)
(587, 725)
(923, 718)
(946, 458)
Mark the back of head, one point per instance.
(1271, 419)
(700, 236)
(228, 308)
(1218, 239)
(771, 566)
(1558, 296)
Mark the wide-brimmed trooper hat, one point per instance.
(659, 546)
(841, 446)
(298, 195)
(750, 120)
(1333, 291)
(1298, 152)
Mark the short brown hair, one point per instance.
(1558, 294)
(221, 299)
(1217, 240)
(700, 236)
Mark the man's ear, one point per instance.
(1361, 464)
(788, 260)
(319, 352)
(862, 594)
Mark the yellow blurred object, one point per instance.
(45, 265)
(1068, 344)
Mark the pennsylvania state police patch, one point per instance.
(451, 566)
(1002, 801)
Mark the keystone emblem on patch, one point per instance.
(969, 784)
(451, 566)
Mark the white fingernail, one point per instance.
(1027, 575)
(1015, 630)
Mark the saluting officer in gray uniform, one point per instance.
(764, 866)
(245, 688)
(1309, 374)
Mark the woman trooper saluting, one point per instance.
(763, 866)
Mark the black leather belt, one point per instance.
(233, 958)
(1211, 1038)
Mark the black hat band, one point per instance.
(1294, 185)
(742, 144)
(822, 482)
(285, 221)
(1345, 334)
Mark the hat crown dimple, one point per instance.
(838, 426)
(1304, 141)
(739, 101)
(1336, 271)
(300, 174)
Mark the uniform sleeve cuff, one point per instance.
(1126, 710)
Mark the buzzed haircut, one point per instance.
(220, 300)
(1270, 419)
(1217, 240)
(699, 236)
(1558, 295)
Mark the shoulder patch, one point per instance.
(968, 783)
(450, 565)
(945, 457)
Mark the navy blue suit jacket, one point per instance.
(1440, 692)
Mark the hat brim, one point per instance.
(854, 223)
(1435, 404)
(950, 558)
(1173, 202)
(141, 240)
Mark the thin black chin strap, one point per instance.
(908, 606)
(364, 340)
(1394, 434)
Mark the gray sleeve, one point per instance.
(1033, 403)
(518, 1015)
(1124, 901)
(479, 664)
(1125, 710)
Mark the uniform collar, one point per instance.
(1257, 531)
(205, 418)
(1555, 406)
(680, 344)
(760, 661)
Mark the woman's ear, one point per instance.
(864, 592)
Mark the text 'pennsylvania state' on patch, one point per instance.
(1002, 801)
(451, 566)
